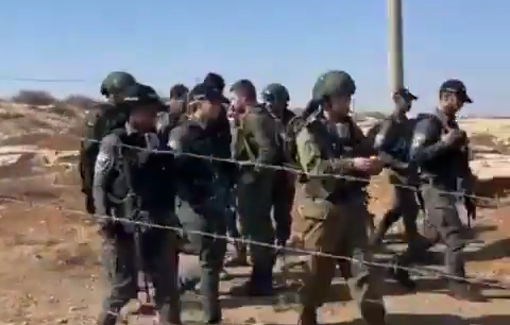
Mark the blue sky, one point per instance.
(289, 41)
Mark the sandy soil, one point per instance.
(51, 274)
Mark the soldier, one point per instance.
(276, 98)
(392, 141)
(256, 142)
(177, 102)
(335, 210)
(173, 113)
(440, 149)
(98, 122)
(198, 207)
(133, 185)
(220, 130)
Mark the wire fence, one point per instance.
(422, 271)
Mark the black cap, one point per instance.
(206, 92)
(455, 86)
(140, 94)
(215, 80)
(406, 94)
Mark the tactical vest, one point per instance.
(99, 123)
(197, 176)
(334, 141)
(450, 166)
(139, 171)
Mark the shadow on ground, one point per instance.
(420, 319)
(494, 251)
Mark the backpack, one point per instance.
(99, 122)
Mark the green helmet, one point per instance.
(275, 93)
(116, 82)
(332, 83)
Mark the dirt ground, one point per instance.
(51, 274)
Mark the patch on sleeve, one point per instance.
(174, 144)
(378, 139)
(103, 162)
(418, 140)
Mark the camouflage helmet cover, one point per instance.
(275, 92)
(116, 82)
(333, 83)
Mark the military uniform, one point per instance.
(442, 164)
(122, 177)
(198, 207)
(335, 210)
(393, 141)
(257, 142)
(99, 121)
(276, 98)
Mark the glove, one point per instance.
(470, 208)
(89, 204)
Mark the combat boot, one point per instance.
(170, 315)
(240, 258)
(107, 318)
(261, 283)
(308, 316)
(463, 291)
(401, 276)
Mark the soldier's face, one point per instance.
(341, 105)
(452, 103)
(145, 119)
(237, 102)
(212, 108)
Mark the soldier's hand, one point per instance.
(453, 137)
(371, 165)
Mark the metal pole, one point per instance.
(395, 45)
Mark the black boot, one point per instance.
(308, 316)
(107, 318)
(170, 315)
(402, 276)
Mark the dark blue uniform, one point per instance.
(444, 167)
(150, 181)
(392, 142)
(200, 209)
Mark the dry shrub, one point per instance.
(80, 101)
(34, 97)
(6, 115)
(63, 109)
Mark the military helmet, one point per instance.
(139, 95)
(116, 82)
(333, 83)
(275, 93)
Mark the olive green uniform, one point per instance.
(257, 142)
(335, 210)
(336, 214)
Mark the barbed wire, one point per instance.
(43, 80)
(496, 202)
(421, 271)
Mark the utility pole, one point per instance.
(395, 45)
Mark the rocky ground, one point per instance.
(50, 271)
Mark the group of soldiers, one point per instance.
(137, 192)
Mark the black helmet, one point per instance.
(116, 82)
(275, 93)
(140, 95)
(333, 83)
